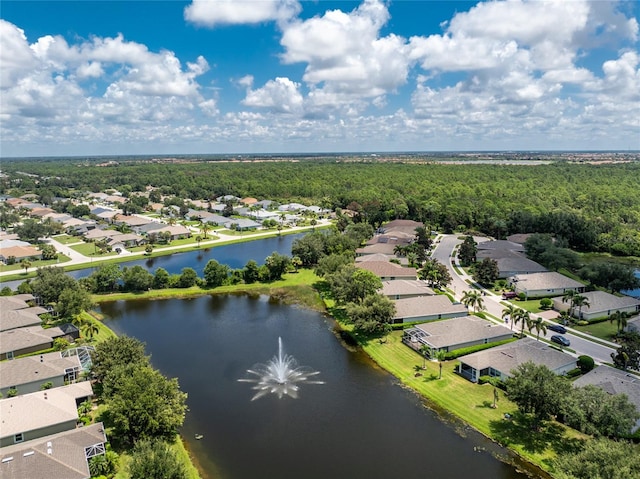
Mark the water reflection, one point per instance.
(361, 423)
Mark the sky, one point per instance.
(84, 78)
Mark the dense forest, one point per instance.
(592, 207)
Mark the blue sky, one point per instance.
(270, 76)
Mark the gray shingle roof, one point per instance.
(59, 456)
(465, 329)
(386, 269)
(546, 280)
(613, 381)
(35, 368)
(508, 357)
(406, 287)
(427, 306)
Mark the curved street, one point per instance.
(494, 304)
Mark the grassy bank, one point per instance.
(293, 288)
(472, 403)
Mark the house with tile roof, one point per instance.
(501, 360)
(19, 253)
(41, 413)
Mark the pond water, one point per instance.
(359, 423)
(633, 292)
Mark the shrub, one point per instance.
(585, 363)
(546, 303)
(472, 349)
(522, 296)
(573, 373)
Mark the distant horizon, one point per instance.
(322, 153)
(245, 77)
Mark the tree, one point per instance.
(198, 240)
(26, 264)
(106, 278)
(72, 301)
(48, 252)
(296, 262)
(137, 278)
(467, 251)
(509, 312)
(580, 301)
(473, 299)
(50, 282)
(539, 326)
(620, 319)
(188, 278)
(435, 273)
(592, 410)
(628, 354)
(568, 297)
(537, 391)
(440, 356)
(585, 363)
(423, 237)
(486, 272)
(331, 263)
(277, 265)
(118, 351)
(31, 231)
(103, 464)
(215, 274)
(372, 315)
(599, 459)
(148, 249)
(161, 279)
(205, 228)
(89, 328)
(310, 249)
(155, 458)
(351, 284)
(144, 404)
(251, 272)
(524, 318)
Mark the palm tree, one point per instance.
(620, 319)
(473, 299)
(509, 311)
(568, 298)
(523, 317)
(205, 228)
(425, 351)
(580, 301)
(440, 356)
(539, 326)
(565, 317)
(198, 239)
(89, 329)
(26, 264)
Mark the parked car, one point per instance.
(509, 295)
(557, 328)
(556, 338)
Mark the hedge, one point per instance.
(456, 353)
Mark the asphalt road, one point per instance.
(495, 304)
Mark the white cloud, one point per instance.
(347, 59)
(16, 58)
(212, 13)
(280, 95)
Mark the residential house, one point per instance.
(127, 240)
(41, 413)
(241, 224)
(614, 381)
(27, 375)
(20, 341)
(377, 248)
(601, 305)
(131, 221)
(175, 231)
(100, 234)
(455, 333)
(388, 271)
(404, 226)
(398, 238)
(58, 456)
(249, 201)
(509, 257)
(16, 301)
(427, 308)
(545, 284)
(19, 318)
(405, 288)
(40, 212)
(19, 253)
(501, 360)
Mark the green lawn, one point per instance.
(34, 264)
(89, 250)
(603, 330)
(470, 402)
(67, 239)
(532, 305)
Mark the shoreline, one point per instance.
(290, 294)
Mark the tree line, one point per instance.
(592, 207)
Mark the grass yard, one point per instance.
(471, 402)
(89, 250)
(67, 239)
(34, 264)
(603, 330)
(532, 305)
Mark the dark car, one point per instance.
(556, 338)
(557, 328)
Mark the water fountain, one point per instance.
(281, 376)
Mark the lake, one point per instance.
(359, 423)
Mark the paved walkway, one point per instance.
(79, 258)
